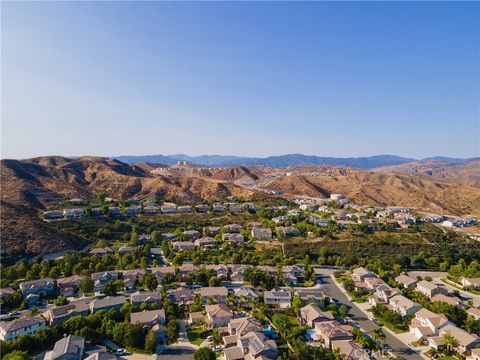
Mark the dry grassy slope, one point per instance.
(422, 192)
(468, 172)
(32, 184)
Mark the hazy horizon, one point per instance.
(336, 79)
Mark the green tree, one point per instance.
(343, 311)
(296, 303)
(86, 285)
(449, 341)
(134, 336)
(379, 335)
(149, 281)
(61, 300)
(17, 355)
(110, 288)
(172, 329)
(151, 341)
(204, 353)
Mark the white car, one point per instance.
(350, 299)
(209, 338)
(121, 352)
(370, 317)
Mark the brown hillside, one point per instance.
(421, 192)
(29, 185)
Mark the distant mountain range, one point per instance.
(368, 162)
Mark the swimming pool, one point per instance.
(269, 332)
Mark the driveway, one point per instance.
(358, 316)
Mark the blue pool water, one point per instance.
(269, 332)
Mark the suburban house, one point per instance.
(237, 273)
(73, 213)
(133, 275)
(148, 318)
(168, 208)
(147, 297)
(161, 271)
(217, 294)
(310, 314)
(191, 234)
(201, 208)
(382, 295)
(42, 287)
(58, 314)
(101, 278)
(465, 340)
(309, 295)
(361, 274)
(185, 209)
(236, 209)
(254, 224)
(181, 295)
(245, 293)
(183, 245)
(287, 231)
(220, 270)
(67, 286)
(277, 297)
(211, 230)
(233, 238)
(101, 251)
(406, 281)
(473, 283)
(450, 300)
(52, 214)
(261, 234)
(475, 312)
(71, 347)
(107, 303)
(233, 228)
(218, 208)
(5, 293)
(133, 210)
(114, 211)
(218, 315)
(429, 289)
(206, 242)
(403, 305)
(150, 210)
(168, 236)
(350, 350)
(329, 331)
(156, 253)
(475, 354)
(126, 250)
(426, 323)
(245, 340)
(10, 330)
(241, 326)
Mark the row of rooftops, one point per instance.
(425, 323)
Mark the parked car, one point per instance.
(121, 352)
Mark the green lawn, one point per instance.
(197, 336)
(447, 357)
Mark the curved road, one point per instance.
(356, 314)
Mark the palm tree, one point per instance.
(217, 338)
(449, 341)
(379, 335)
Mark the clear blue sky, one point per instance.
(255, 79)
